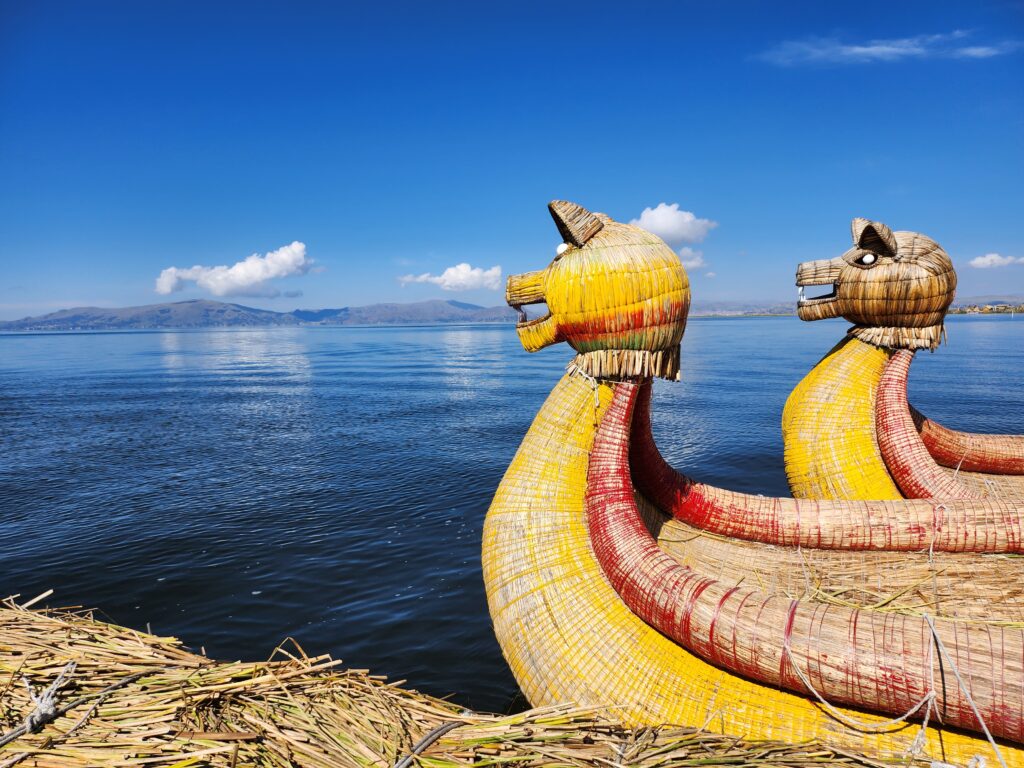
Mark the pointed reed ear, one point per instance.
(575, 223)
(874, 236)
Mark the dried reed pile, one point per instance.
(144, 700)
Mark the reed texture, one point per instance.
(616, 294)
(950, 585)
(828, 427)
(297, 711)
(954, 525)
(895, 287)
(971, 451)
(863, 658)
(568, 636)
(906, 457)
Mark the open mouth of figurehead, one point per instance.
(526, 290)
(803, 299)
(822, 278)
(525, 320)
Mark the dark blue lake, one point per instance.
(236, 487)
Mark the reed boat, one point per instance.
(849, 431)
(615, 582)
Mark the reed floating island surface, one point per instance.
(137, 699)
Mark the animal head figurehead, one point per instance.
(614, 292)
(895, 287)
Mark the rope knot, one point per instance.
(46, 703)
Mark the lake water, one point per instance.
(236, 487)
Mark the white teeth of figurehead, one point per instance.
(800, 293)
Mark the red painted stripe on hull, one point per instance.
(971, 451)
(911, 466)
(952, 525)
(869, 659)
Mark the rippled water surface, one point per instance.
(235, 487)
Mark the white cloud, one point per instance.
(673, 226)
(990, 260)
(710, 274)
(248, 277)
(691, 259)
(831, 50)
(461, 277)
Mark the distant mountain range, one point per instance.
(1001, 298)
(203, 313)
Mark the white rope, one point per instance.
(46, 702)
(960, 463)
(963, 687)
(800, 553)
(928, 700)
(45, 708)
(574, 370)
(842, 717)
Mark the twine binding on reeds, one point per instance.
(895, 337)
(619, 364)
(943, 653)
(971, 451)
(864, 726)
(872, 662)
(45, 705)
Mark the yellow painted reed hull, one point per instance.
(828, 427)
(568, 637)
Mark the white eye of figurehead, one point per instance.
(562, 248)
(867, 259)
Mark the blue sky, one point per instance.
(360, 143)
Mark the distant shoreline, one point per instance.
(197, 314)
(478, 324)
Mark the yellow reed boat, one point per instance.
(592, 606)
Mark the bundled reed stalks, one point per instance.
(137, 699)
(895, 287)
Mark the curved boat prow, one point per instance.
(848, 430)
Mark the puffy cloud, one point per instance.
(830, 50)
(990, 260)
(710, 274)
(248, 277)
(461, 277)
(691, 259)
(673, 226)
